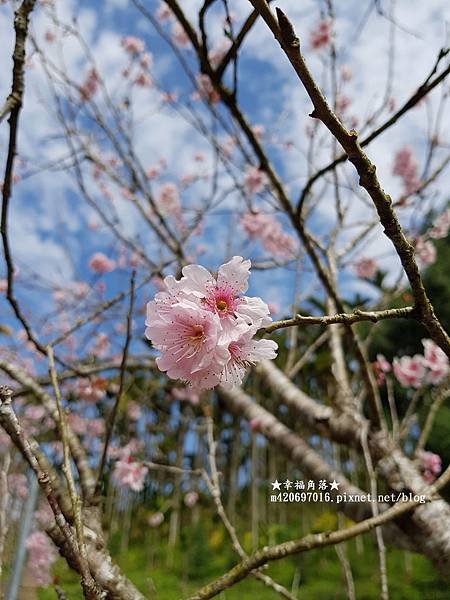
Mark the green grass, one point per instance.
(410, 575)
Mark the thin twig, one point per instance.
(112, 418)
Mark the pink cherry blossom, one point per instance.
(244, 353)
(441, 225)
(366, 268)
(3, 286)
(91, 390)
(133, 45)
(384, 364)
(41, 556)
(218, 53)
(380, 367)
(100, 263)
(425, 251)
(430, 465)
(188, 338)
(436, 361)
(18, 485)
(156, 519)
(163, 13)
(191, 499)
(179, 36)
(255, 180)
(134, 411)
(204, 326)
(269, 232)
(321, 35)
(410, 370)
(205, 89)
(131, 474)
(143, 80)
(90, 85)
(407, 167)
(168, 199)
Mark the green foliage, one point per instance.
(202, 556)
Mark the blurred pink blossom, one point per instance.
(268, 231)
(410, 370)
(100, 263)
(156, 519)
(191, 499)
(430, 465)
(255, 180)
(436, 361)
(179, 36)
(168, 199)
(90, 85)
(425, 251)
(131, 474)
(41, 556)
(441, 225)
(321, 35)
(406, 167)
(366, 268)
(133, 45)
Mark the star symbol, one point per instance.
(334, 485)
(276, 485)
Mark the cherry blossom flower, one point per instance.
(406, 167)
(436, 361)
(245, 352)
(91, 390)
(191, 499)
(380, 367)
(203, 326)
(41, 556)
(18, 485)
(265, 228)
(410, 370)
(90, 85)
(425, 251)
(441, 225)
(168, 199)
(163, 13)
(218, 53)
(129, 473)
(188, 338)
(366, 268)
(430, 465)
(3, 286)
(156, 519)
(134, 411)
(143, 80)
(179, 36)
(206, 89)
(321, 35)
(101, 345)
(100, 263)
(133, 45)
(255, 180)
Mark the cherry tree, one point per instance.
(200, 209)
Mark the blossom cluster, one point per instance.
(268, 231)
(41, 556)
(415, 371)
(204, 326)
(406, 167)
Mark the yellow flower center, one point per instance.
(221, 305)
